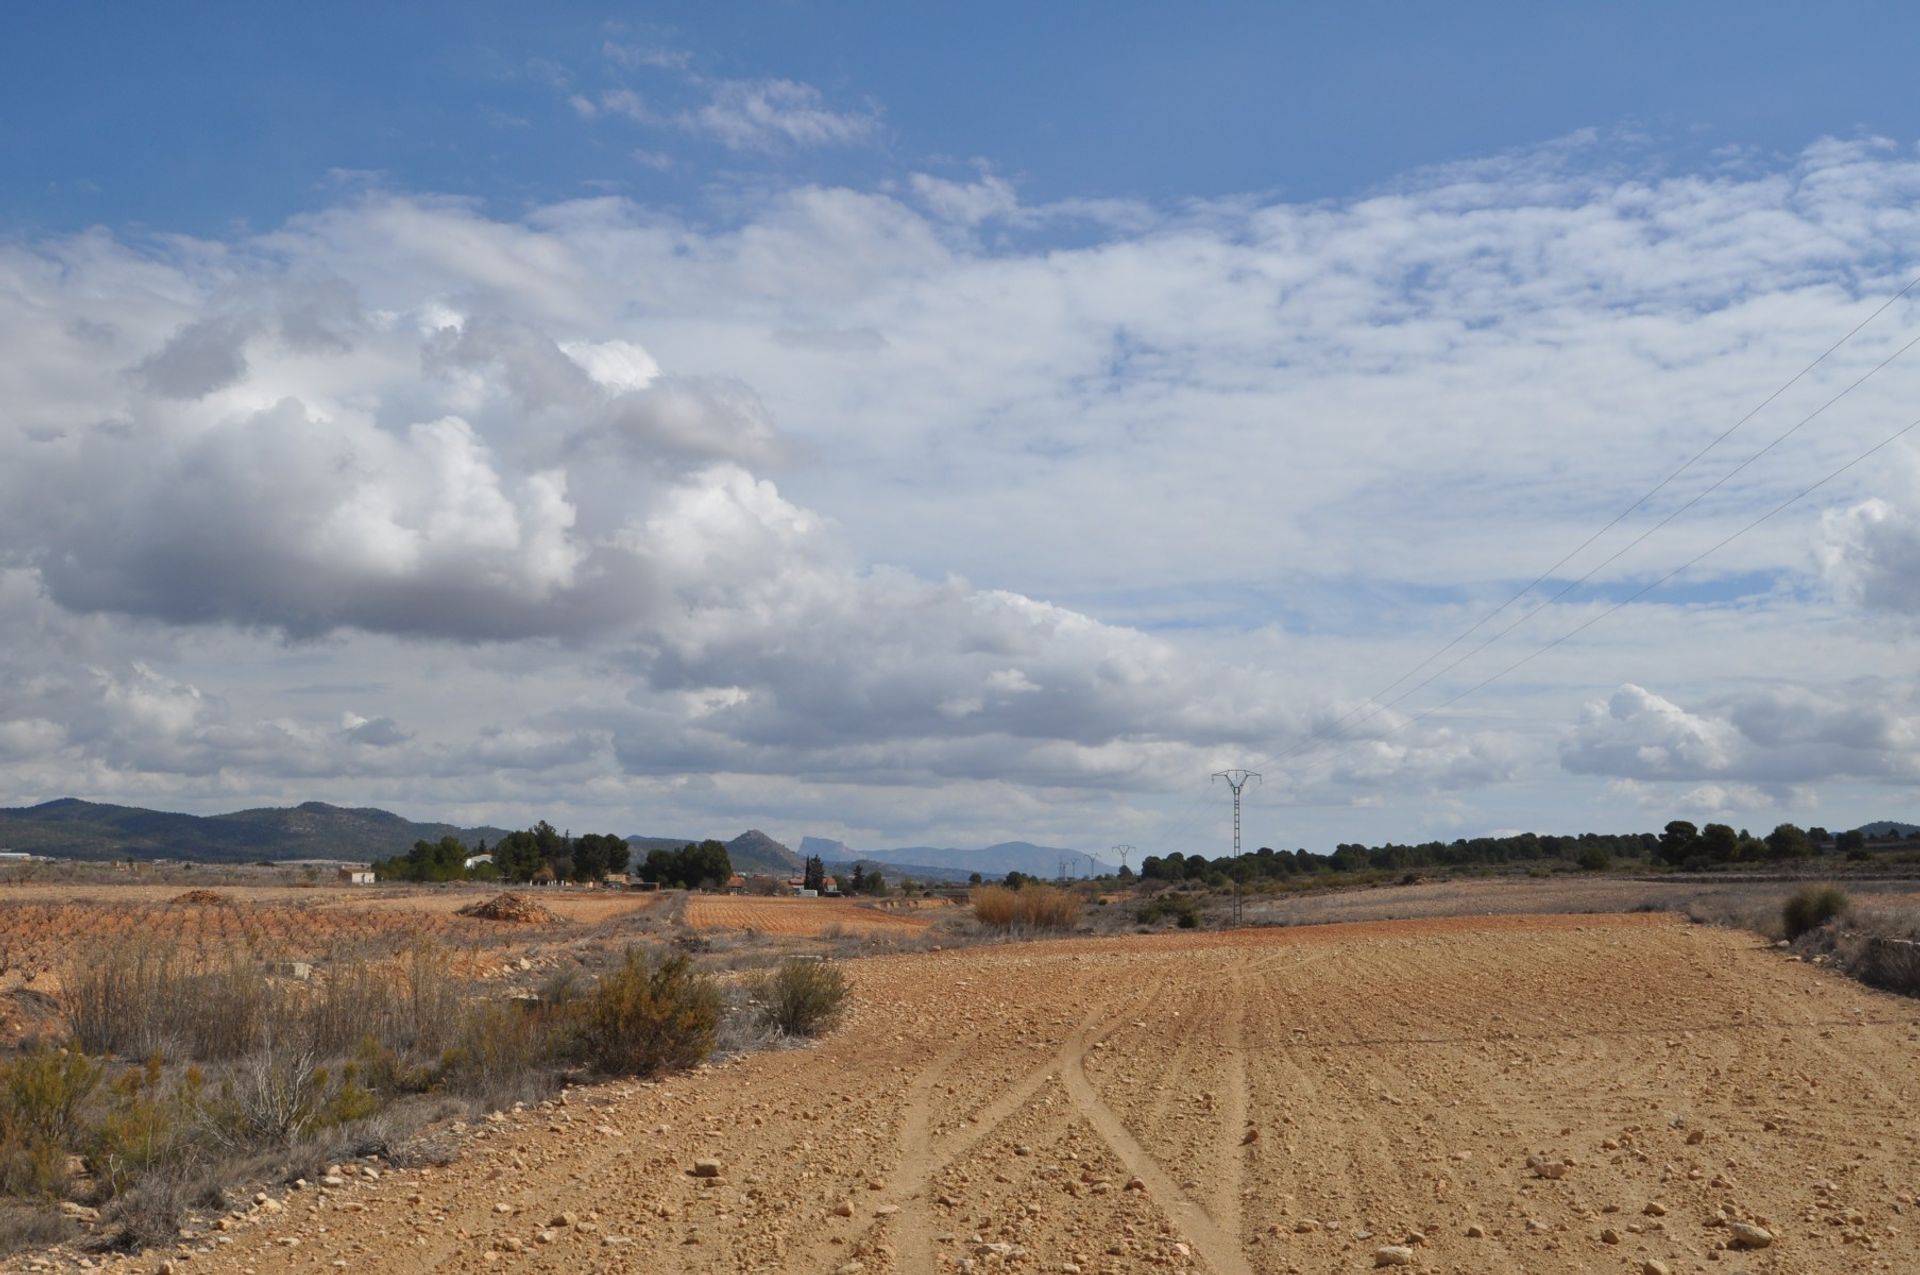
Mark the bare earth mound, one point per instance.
(1514, 1095)
(203, 899)
(510, 907)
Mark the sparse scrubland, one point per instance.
(172, 1077)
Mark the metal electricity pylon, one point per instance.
(1123, 851)
(1236, 780)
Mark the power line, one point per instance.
(1582, 627)
(1622, 516)
(1380, 706)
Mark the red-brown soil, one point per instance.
(1280, 1100)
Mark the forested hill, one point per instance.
(71, 828)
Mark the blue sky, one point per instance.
(192, 119)
(910, 425)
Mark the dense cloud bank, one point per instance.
(930, 487)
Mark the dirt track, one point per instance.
(1280, 1100)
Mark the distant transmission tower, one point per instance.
(1236, 780)
(1123, 851)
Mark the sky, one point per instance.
(921, 427)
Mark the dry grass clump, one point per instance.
(510, 907)
(1031, 909)
(32, 1226)
(203, 899)
(1810, 907)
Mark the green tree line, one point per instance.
(539, 853)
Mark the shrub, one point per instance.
(41, 1096)
(801, 997)
(140, 999)
(500, 1055)
(1028, 909)
(645, 1018)
(32, 1226)
(142, 1128)
(1180, 907)
(1811, 907)
(1594, 859)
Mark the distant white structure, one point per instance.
(474, 860)
(356, 876)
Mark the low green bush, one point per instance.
(648, 1017)
(1180, 908)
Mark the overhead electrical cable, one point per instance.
(1379, 705)
(1642, 592)
(1375, 699)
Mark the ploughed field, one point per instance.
(808, 918)
(1498, 1094)
(43, 927)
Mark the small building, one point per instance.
(356, 876)
(737, 884)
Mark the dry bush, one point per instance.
(432, 997)
(1810, 907)
(801, 997)
(358, 1000)
(1030, 909)
(648, 1017)
(119, 1000)
(500, 1054)
(30, 1226)
(145, 998)
(151, 1211)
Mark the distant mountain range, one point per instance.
(70, 828)
(989, 861)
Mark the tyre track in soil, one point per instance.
(1218, 1248)
(920, 1161)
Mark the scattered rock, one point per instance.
(1393, 1255)
(1476, 1232)
(1654, 1266)
(706, 1168)
(1747, 1235)
(1655, 1209)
